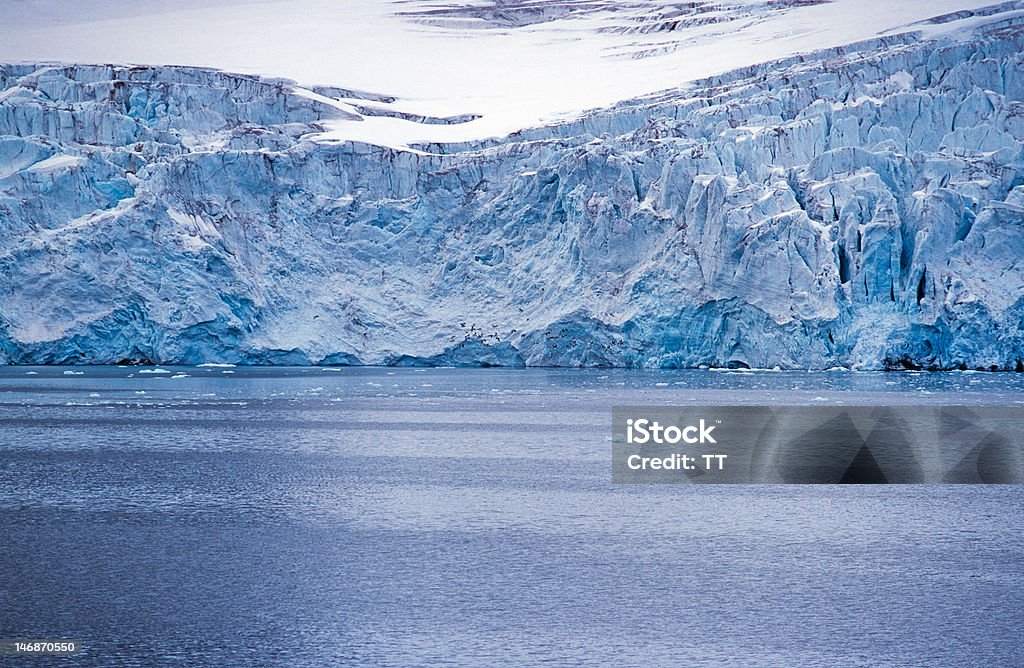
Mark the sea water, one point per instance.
(327, 516)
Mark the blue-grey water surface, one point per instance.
(398, 517)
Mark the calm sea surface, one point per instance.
(303, 517)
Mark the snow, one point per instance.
(514, 77)
(55, 163)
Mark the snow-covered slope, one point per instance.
(858, 206)
(504, 64)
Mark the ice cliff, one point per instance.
(860, 207)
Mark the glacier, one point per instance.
(860, 206)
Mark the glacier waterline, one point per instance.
(859, 207)
(95, 388)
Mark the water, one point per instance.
(300, 517)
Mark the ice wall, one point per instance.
(858, 207)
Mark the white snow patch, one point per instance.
(55, 162)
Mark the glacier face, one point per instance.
(859, 207)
